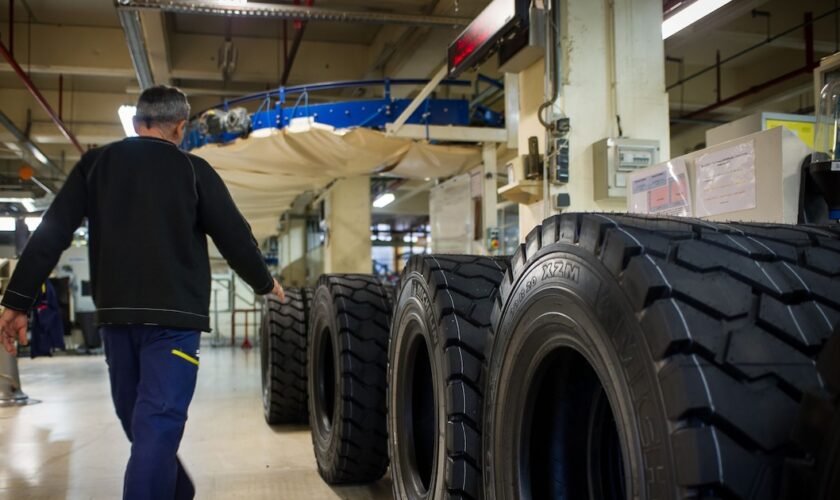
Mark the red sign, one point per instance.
(482, 34)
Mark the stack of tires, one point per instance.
(615, 357)
(401, 375)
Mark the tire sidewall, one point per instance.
(417, 317)
(323, 321)
(596, 320)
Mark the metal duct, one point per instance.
(130, 21)
(293, 12)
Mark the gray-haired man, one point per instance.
(149, 207)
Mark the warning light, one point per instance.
(26, 173)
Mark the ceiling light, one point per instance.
(690, 15)
(126, 114)
(7, 223)
(384, 200)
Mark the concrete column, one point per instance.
(613, 64)
(347, 211)
(293, 251)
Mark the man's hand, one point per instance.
(278, 291)
(13, 325)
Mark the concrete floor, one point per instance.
(71, 445)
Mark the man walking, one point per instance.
(149, 208)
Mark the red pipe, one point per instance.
(60, 96)
(301, 25)
(285, 42)
(40, 98)
(752, 90)
(11, 26)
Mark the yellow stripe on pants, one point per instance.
(185, 356)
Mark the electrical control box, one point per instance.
(615, 158)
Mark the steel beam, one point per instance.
(130, 21)
(156, 40)
(291, 12)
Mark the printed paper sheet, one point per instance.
(661, 189)
(725, 180)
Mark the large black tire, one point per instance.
(348, 358)
(441, 323)
(283, 357)
(651, 358)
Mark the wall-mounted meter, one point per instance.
(615, 159)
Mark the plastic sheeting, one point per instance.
(265, 174)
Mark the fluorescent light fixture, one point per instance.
(690, 15)
(384, 200)
(126, 114)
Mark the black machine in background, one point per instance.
(819, 191)
(63, 293)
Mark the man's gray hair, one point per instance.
(161, 105)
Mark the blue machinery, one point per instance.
(278, 107)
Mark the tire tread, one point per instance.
(734, 315)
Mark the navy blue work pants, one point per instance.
(153, 373)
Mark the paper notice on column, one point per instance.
(661, 189)
(725, 180)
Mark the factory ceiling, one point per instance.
(77, 53)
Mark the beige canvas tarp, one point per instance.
(264, 174)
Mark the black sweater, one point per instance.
(149, 207)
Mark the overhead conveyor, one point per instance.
(279, 108)
(287, 144)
